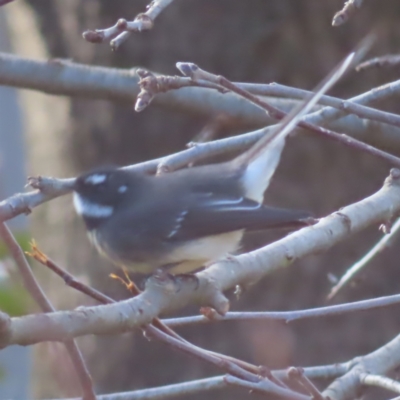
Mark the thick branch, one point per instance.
(381, 381)
(63, 77)
(379, 362)
(161, 296)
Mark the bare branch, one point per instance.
(349, 9)
(23, 203)
(63, 77)
(354, 105)
(39, 296)
(199, 75)
(261, 387)
(289, 316)
(379, 362)
(297, 374)
(51, 188)
(217, 382)
(118, 33)
(380, 381)
(161, 296)
(360, 264)
(390, 60)
(168, 391)
(71, 281)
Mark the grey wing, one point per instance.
(212, 215)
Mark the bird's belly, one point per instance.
(196, 253)
(184, 258)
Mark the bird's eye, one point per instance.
(122, 189)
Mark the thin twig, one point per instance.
(198, 76)
(390, 60)
(349, 9)
(118, 33)
(289, 316)
(68, 278)
(41, 299)
(168, 391)
(297, 374)
(227, 363)
(360, 264)
(71, 281)
(216, 382)
(350, 106)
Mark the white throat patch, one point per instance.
(85, 208)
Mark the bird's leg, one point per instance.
(127, 282)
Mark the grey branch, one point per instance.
(349, 9)
(44, 303)
(63, 77)
(160, 296)
(168, 391)
(354, 106)
(289, 316)
(218, 382)
(51, 188)
(360, 264)
(260, 387)
(379, 362)
(380, 381)
(390, 60)
(23, 203)
(118, 33)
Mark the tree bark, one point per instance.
(281, 40)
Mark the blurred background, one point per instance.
(290, 42)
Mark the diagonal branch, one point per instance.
(360, 264)
(349, 9)
(162, 295)
(379, 362)
(44, 303)
(380, 381)
(164, 334)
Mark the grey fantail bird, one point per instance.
(185, 219)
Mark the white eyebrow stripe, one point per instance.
(226, 201)
(96, 179)
(234, 204)
(88, 209)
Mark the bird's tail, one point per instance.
(261, 160)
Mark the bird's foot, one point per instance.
(163, 276)
(183, 278)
